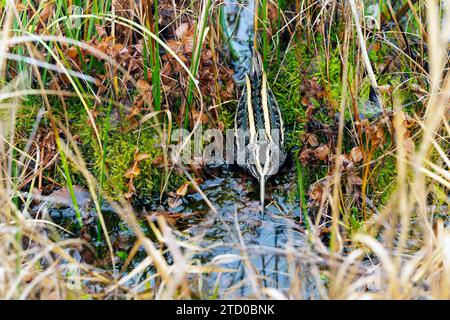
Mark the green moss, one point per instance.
(226, 114)
(384, 179)
(288, 94)
(120, 149)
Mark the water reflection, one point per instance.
(255, 247)
(237, 26)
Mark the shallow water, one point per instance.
(239, 238)
(237, 25)
(260, 240)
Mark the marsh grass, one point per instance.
(399, 249)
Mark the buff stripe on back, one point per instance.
(251, 117)
(265, 106)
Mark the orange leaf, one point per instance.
(72, 52)
(141, 157)
(133, 172)
(305, 101)
(183, 189)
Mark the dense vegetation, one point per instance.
(93, 93)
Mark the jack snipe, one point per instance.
(258, 128)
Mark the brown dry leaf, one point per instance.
(199, 116)
(378, 136)
(174, 45)
(356, 154)
(322, 152)
(188, 41)
(128, 195)
(133, 172)
(315, 192)
(198, 180)
(309, 111)
(312, 88)
(174, 202)
(320, 93)
(47, 11)
(305, 101)
(72, 52)
(20, 7)
(158, 160)
(304, 156)
(118, 49)
(184, 188)
(141, 157)
(312, 140)
(181, 30)
(134, 111)
(143, 86)
(376, 46)
(342, 160)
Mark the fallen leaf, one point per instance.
(183, 189)
(141, 157)
(181, 30)
(143, 86)
(312, 140)
(64, 197)
(72, 53)
(174, 202)
(322, 152)
(356, 154)
(128, 195)
(133, 172)
(304, 156)
(315, 192)
(199, 116)
(158, 160)
(47, 11)
(305, 101)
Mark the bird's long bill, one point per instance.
(262, 191)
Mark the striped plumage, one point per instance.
(259, 129)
